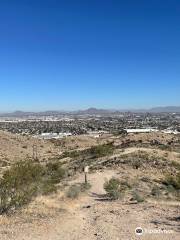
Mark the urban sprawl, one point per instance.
(64, 125)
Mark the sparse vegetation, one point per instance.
(25, 180)
(136, 163)
(176, 165)
(48, 188)
(92, 152)
(173, 181)
(101, 150)
(165, 147)
(55, 171)
(115, 188)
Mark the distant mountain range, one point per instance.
(170, 109)
(93, 111)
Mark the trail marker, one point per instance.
(86, 170)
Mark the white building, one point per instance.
(53, 135)
(141, 130)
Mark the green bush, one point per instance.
(71, 154)
(48, 188)
(19, 184)
(173, 181)
(25, 180)
(176, 165)
(164, 147)
(55, 171)
(93, 152)
(115, 188)
(101, 150)
(136, 163)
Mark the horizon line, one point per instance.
(90, 108)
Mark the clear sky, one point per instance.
(75, 54)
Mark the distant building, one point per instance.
(96, 134)
(149, 130)
(53, 135)
(141, 130)
(168, 131)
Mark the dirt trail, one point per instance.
(96, 218)
(92, 218)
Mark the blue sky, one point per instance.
(70, 54)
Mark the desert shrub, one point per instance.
(173, 181)
(172, 185)
(93, 152)
(48, 188)
(126, 184)
(19, 184)
(101, 150)
(25, 180)
(164, 147)
(71, 154)
(137, 197)
(175, 165)
(55, 172)
(73, 191)
(136, 163)
(115, 188)
(169, 189)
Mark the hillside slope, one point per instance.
(15, 147)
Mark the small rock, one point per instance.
(88, 206)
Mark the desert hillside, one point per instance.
(133, 181)
(14, 147)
